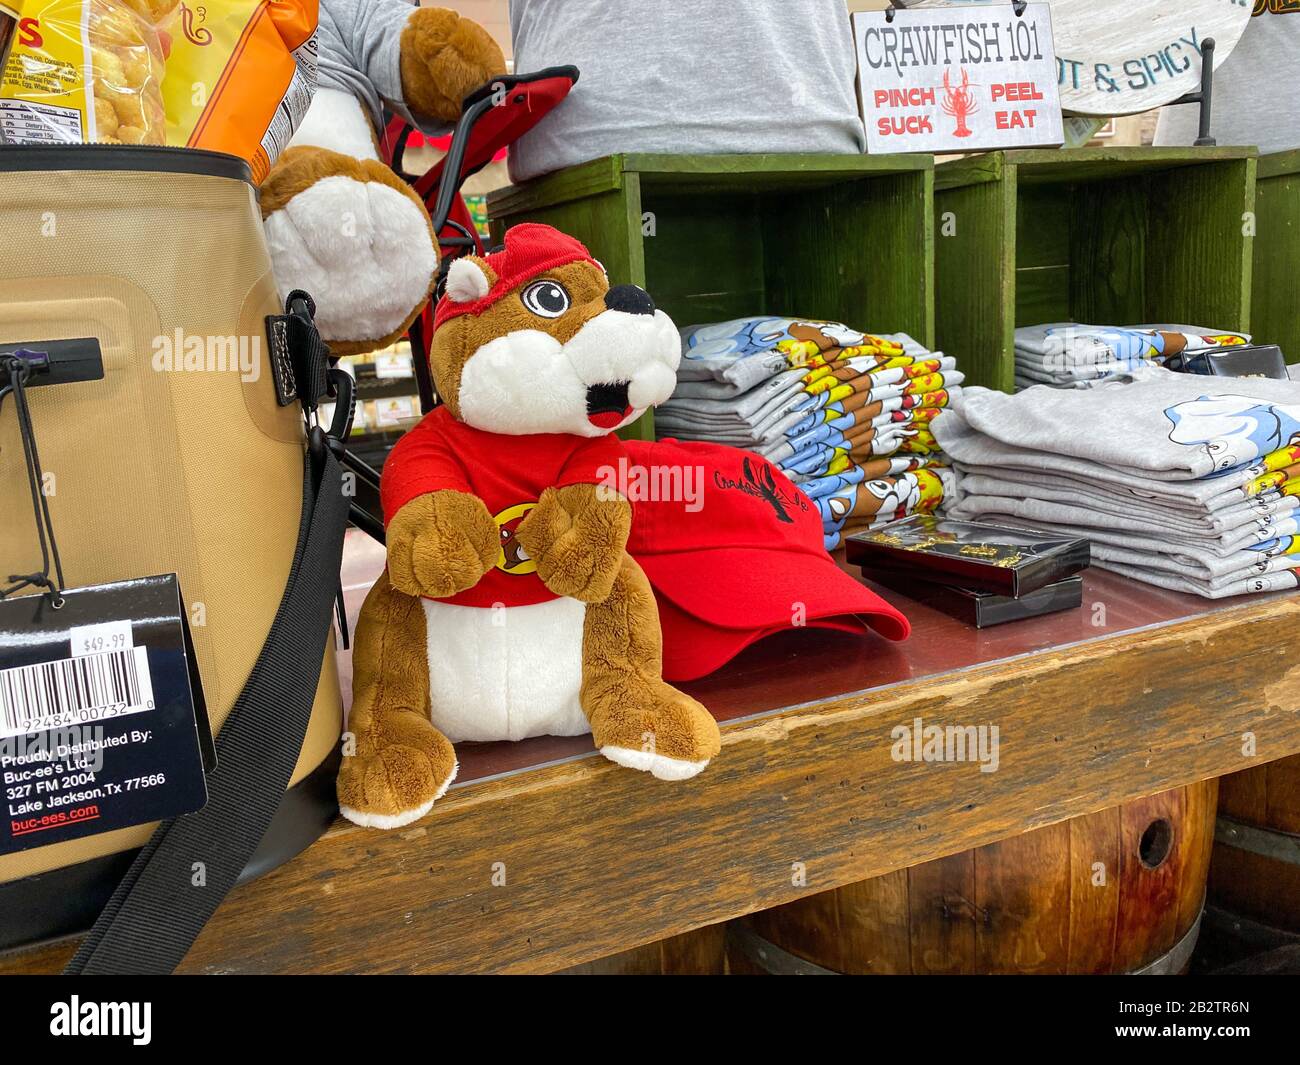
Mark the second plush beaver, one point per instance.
(509, 607)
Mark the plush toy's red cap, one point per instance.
(530, 249)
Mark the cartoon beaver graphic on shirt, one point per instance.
(510, 607)
(826, 335)
(1234, 430)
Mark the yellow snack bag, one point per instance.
(234, 76)
(240, 76)
(8, 24)
(86, 71)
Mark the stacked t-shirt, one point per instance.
(845, 414)
(1186, 482)
(1066, 354)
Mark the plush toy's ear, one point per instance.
(469, 278)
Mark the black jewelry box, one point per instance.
(1255, 360)
(983, 609)
(972, 555)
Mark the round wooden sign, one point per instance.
(1119, 57)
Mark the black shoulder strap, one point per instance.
(191, 863)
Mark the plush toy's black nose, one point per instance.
(630, 299)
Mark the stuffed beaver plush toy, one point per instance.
(339, 223)
(510, 606)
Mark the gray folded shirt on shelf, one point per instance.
(713, 356)
(1186, 482)
(1214, 557)
(1071, 354)
(1168, 567)
(1148, 424)
(1260, 512)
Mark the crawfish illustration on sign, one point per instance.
(959, 103)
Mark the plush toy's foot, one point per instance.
(637, 718)
(657, 765)
(657, 729)
(354, 235)
(398, 783)
(444, 58)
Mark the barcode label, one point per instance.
(72, 691)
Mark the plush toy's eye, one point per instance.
(549, 299)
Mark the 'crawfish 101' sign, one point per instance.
(957, 80)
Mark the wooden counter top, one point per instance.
(544, 855)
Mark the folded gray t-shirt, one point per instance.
(1154, 536)
(1149, 424)
(972, 451)
(1255, 584)
(735, 367)
(1200, 501)
(1241, 523)
(1189, 566)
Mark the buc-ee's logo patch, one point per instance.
(512, 558)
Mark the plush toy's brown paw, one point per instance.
(354, 235)
(577, 534)
(441, 543)
(444, 58)
(653, 727)
(398, 784)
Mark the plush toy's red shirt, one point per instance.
(508, 473)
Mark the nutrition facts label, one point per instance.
(24, 122)
(297, 98)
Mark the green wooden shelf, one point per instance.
(845, 238)
(1275, 299)
(1118, 236)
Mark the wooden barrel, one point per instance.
(698, 953)
(1255, 870)
(1119, 891)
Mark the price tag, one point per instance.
(102, 719)
(101, 639)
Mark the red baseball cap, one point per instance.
(735, 552)
(694, 648)
(530, 249)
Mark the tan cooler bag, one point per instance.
(167, 464)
